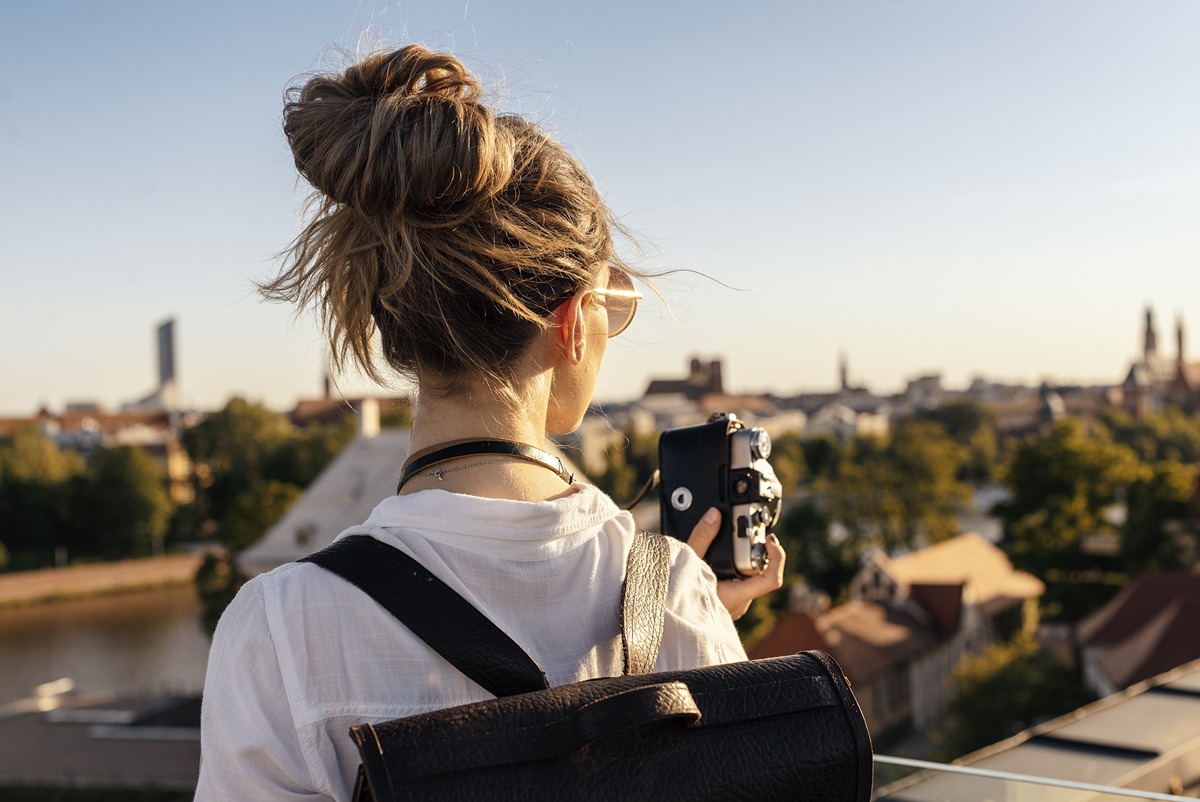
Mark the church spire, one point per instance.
(1149, 338)
(1179, 358)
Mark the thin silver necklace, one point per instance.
(440, 473)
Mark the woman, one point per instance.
(482, 255)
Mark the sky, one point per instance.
(976, 189)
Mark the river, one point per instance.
(140, 642)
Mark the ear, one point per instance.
(570, 327)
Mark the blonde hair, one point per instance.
(448, 229)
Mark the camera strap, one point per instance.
(429, 457)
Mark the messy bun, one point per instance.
(402, 133)
(449, 230)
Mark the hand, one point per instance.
(736, 594)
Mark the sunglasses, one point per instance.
(620, 300)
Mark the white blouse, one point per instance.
(301, 655)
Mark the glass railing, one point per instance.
(900, 779)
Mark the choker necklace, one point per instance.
(427, 458)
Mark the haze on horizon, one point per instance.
(974, 189)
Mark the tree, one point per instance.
(629, 464)
(1157, 502)
(299, 459)
(121, 506)
(35, 480)
(788, 460)
(825, 563)
(899, 493)
(231, 449)
(972, 426)
(1007, 688)
(822, 456)
(1169, 436)
(254, 512)
(1062, 482)
(217, 582)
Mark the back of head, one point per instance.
(449, 230)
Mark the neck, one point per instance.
(480, 415)
(444, 419)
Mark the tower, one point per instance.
(1149, 338)
(167, 387)
(1179, 358)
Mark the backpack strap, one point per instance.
(436, 614)
(643, 601)
(466, 638)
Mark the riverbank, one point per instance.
(55, 584)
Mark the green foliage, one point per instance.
(630, 462)
(217, 582)
(300, 458)
(822, 456)
(250, 466)
(35, 492)
(1169, 436)
(398, 416)
(1072, 595)
(121, 507)
(1157, 502)
(825, 564)
(788, 460)
(30, 456)
(1062, 482)
(901, 492)
(972, 426)
(254, 512)
(1006, 689)
(231, 449)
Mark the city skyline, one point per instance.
(921, 186)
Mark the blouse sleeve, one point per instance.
(249, 745)
(698, 630)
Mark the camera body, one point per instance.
(722, 464)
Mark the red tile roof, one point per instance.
(1151, 626)
(990, 580)
(865, 638)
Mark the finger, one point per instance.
(705, 531)
(736, 594)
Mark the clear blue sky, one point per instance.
(976, 188)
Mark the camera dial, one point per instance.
(760, 446)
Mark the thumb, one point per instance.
(705, 531)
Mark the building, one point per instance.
(1151, 626)
(703, 378)
(1155, 379)
(1146, 738)
(844, 423)
(908, 624)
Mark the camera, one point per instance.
(722, 464)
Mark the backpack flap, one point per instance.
(741, 730)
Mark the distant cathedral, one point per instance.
(1155, 380)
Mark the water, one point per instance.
(144, 642)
